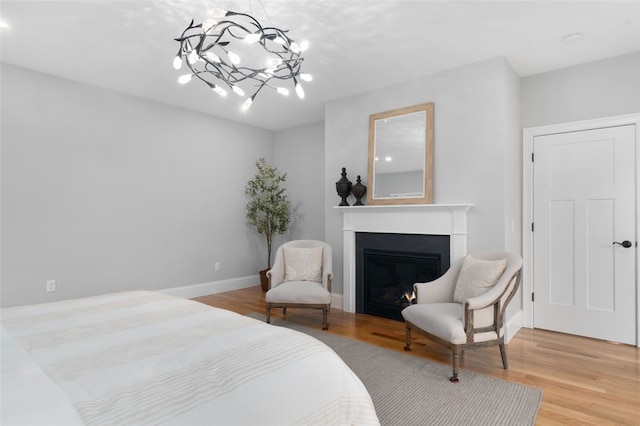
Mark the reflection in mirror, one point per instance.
(400, 156)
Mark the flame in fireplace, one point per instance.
(410, 296)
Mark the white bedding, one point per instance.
(148, 358)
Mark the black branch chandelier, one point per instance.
(222, 52)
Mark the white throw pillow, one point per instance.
(303, 264)
(477, 276)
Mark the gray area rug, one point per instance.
(407, 390)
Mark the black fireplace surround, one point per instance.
(387, 266)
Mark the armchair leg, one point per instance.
(503, 354)
(284, 311)
(407, 345)
(456, 363)
(268, 313)
(325, 319)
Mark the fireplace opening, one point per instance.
(387, 266)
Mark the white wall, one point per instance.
(512, 175)
(476, 119)
(604, 88)
(105, 192)
(300, 152)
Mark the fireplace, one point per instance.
(448, 220)
(388, 264)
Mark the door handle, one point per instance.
(625, 243)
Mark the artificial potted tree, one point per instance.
(268, 208)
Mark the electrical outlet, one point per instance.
(51, 286)
(217, 266)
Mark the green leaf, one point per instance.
(268, 207)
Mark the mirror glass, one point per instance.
(401, 156)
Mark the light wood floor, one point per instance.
(584, 381)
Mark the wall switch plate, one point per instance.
(217, 266)
(51, 286)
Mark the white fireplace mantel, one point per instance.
(431, 219)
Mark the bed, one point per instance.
(149, 358)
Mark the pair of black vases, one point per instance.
(344, 188)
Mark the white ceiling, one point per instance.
(355, 46)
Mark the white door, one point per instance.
(584, 203)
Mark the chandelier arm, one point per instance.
(227, 77)
(282, 53)
(232, 25)
(219, 73)
(229, 72)
(251, 18)
(190, 26)
(247, 76)
(280, 31)
(264, 83)
(203, 35)
(217, 41)
(182, 40)
(183, 37)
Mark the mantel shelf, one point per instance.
(460, 206)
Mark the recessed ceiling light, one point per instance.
(3, 24)
(572, 38)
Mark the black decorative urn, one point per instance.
(358, 191)
(343, 186)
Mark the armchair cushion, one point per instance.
(299, 292)
(303, 264)
(444, 320)
(477, 276)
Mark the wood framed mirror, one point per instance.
(401, 156)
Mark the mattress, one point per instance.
(149, 358)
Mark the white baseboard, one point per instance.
(202, 289)
(514, 324)
(197, 290)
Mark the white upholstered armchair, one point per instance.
(301, 278)
(465, 307)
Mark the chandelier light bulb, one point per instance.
(220, 91)
(217, 12)
(273, 63)
(193, 57)
(237, 90)
(299, 91)
(247, 104)
(294, 47)
(279, 40)
(283, 91)
(306, 77)
(212, 57)
(177, 62)
(252, 38)
(304, 45)
(208, 24)
(235, 59)
(387, 158)
(184, 79)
